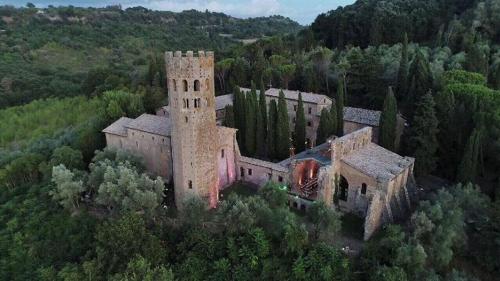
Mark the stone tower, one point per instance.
(193, 129)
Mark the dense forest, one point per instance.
(70, 209)
(53, 49)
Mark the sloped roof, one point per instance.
(118, 127)
(362, 116)
(222, 101)
(378, 162)
(264, 164)
(294, 95)
(153, 124)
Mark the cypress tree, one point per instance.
(239, 116)
(448, 139)
(421, 81)
(388, 121)
(271, 129)
(282, 129)
(250, 121)
(333, 120)
(263, 105)
(422, 137)
(325, 127)
(300, 127)
(467, 170)
(260, 132)
(339, 102)
(229, 120)
(402, 88)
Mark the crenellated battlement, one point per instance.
(189, 65)
(189, 54)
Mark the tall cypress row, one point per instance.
(263, 106)
(325, 126)
(422, 137)
(282, 129)
(271, 129)
(388, 122)
(239, 116)
(339, 102)
(300, 127)
(420, 81)
(260, 132)
(250, 121)
(467, 170)
(402, 88)
(333, 121)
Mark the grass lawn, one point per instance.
(352, 226)
(239, 188)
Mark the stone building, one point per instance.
(186, 144)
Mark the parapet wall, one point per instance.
(343, 146)
(189, 65)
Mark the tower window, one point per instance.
(186, 119)
(294, 108)
(174, 84)
(197, 85)
(309, 124)
(310, 110)
(249, 172)
(222, 153)
(280, 179)
(187, 103)
(363, 188)
(190, 184)
(185, 85)
(184, 103)
(242, 172)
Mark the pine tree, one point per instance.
(422, 137)
(250, 121)
(467, 170)
(333, 120)
(339, 103)
(388, 121)
(271, 129)
(263, 105)
(300, 127)
(229, 120)
(402, 89)
(282, 129)
(325, 127)
(421, 81)
(260, 133)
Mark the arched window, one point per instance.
(185, 85)
(344, 189)
(197, 85)
(363, 188)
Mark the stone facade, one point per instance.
(194, 132)
(185, 144)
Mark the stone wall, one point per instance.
(373, 219)
(350, 127)
(260, 172)
(356, 201)
(154, 149)
(227, 173)
(194, 132)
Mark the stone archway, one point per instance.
(344, 188)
